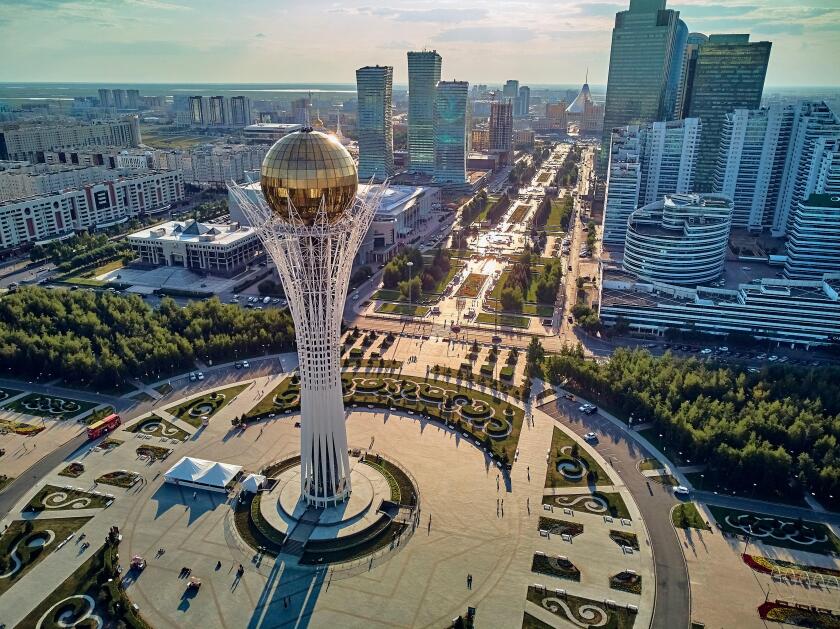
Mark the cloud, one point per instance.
(260, 35)
(431, 16)
(487, 34)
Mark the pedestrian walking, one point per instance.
(195, 495)
(529, 473)
(469, 581)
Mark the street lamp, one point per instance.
(410, 266)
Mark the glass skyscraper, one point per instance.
(451, 132)
(423, 77)
(376, 136)
(642, 58)
(729, 75)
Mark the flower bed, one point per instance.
(74, 470)
(154, 453)
(559, 567)
(622, 538)
(120, 478)
(560, 527)
(627, 581)
(769, 565)
(471, 287)
(799, 616)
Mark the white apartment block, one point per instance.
(40, 179)
(221, 249)
(811, 122)
(813, 245)
(751, 161)
(213, 164)
(52, 216)
(27, 142)
(648, 162)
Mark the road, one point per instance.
(673, 602)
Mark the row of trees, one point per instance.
(410, 279)
(103, 339)
(778, 428)
(518, 282)
(567, 174)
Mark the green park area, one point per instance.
(413, 279)
(162, 138)
(582, 612)
(471, 287)
(411, 310)
(511, 321)
(527, 287)
(206, 405)
(88, 277)
(793, 533)
(569, 465)
(52, 498)
(595, 502)
(488, 420)
(284, 397)
(42, 405)
(687, 516)
(6, 394)
(154, 426)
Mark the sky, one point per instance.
(282, 41)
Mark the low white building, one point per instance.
(269, 131)
(218, 249)
(202, 474)
(39, 219)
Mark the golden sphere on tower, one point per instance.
(305, 167)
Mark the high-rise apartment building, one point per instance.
(106, 98)
(451, 133)
(216, 111)
(812, 122)
(751, 162)
(374, 86)
(646, 163)
(687, 68)
(523, 101)
(501, 126)
(120, 99)
(197, 110)
(240, 110)
(511, 89)
(813, 244)
(133, 97)
(644, 39)
(423, 77)
(729, 75)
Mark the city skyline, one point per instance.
(146, 40)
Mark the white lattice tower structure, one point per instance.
(314, 263)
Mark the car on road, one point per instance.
(682, 490)
(245, 364)
(591, 437)
(706, 351)
(237, 364)
(773, 358)
(588, 409)
(193, 377)
(199, 375)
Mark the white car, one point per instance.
(590, 437)
(245, 364)
(199, 375)
(682, 490)
(773, 358)
(706, 351)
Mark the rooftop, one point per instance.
(193, 231)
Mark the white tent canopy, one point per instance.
(203, 474)
(253, 482)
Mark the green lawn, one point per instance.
(31, 556)
(190, 412)
(560, 209)
(403, 309)
(52, 498)
(583, 502)
(5, 394)
(285, 396)
(88, 278)
(40, 405)
(155, 426)
(562, 448)
(789, 533)
(503, 319)
(617, 617)
(530, 305)
(686, 516)
(650, 464)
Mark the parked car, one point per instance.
(591, 437)
(682, 490)
(200, 375)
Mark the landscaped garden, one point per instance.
(625, 539)
(570, 466)
(686, 516)
(19, 428)
(582, 612)
(5, 393)
(770, 565)
(485, 418)
(790, 614)
(528, 286)
(109, 444)
(519, 213)
(471, 287)
(192, 411)
(466, 373)
(506, 320)
(784, 532)
(26, 542)
(284, 397)
(41, 405)
(559, 566)
(627, 581)
(52, 498)
(119, 478)
(532, 622)
(411, 310)
(154, 426)
(597, 503)
(91, 597)
(153, 453)
(73, 470)
(650, 464)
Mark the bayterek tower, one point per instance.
(312, 223)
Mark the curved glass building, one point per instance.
(680, 240)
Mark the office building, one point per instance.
(423, 77)
(501, 127)
(59, 214)
(197, 111)
(751, 163)
(219, 249)
(373, 122)
(646, 163)
(677, 56)
(511, 89)
(811, 122)
(30, 142)
(215, 111)
(686, 74)
(729, 75)
(451, 133)
(681, 239)
(813, 243)
(523, 101)
(641, 61)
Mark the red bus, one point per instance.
(99, 428)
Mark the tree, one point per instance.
(410, 289)
(511, 299)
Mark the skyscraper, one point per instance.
(641, 60)
(511, 89)
(751, 161)
(523, 101)
(423, 77)
(120, 100)
(729, 75)
(376, 136)
(813, 245)
(687, 68)
(677, 55)
(197, 110)
(811, 123)
(106, 98)
(133, 99)
(646, 163)
(216, 110)
(451, 132)
(240, 110)
(501, 126)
